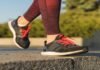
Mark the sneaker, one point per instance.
(20, 34)
(62, 46)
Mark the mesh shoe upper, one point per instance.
(20, 34)
(62, 44)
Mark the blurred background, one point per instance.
(79, 18)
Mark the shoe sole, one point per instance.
(14, 34)
(50, 53)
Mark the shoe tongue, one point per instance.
(59, 37)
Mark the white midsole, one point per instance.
(61, 53)
(14, 34)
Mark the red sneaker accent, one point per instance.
(65, 40)
(25, 32)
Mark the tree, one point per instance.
(85, 5)
(82, 18)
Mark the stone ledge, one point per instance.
(29, 60)
(79, 63)
(87, 63)
(58, 64)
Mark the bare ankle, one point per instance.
(51, 38)
(22, 21)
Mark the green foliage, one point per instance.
(83, 25)
(4, 30)
(82, 18)
(83, 5)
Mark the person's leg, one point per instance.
(30, 14)
(20, 27)
(56, 44)
(50, 11)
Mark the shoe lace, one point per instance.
(65, 40)
(25, 31)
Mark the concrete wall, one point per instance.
(93, 43)
(34, 41)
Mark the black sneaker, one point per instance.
(63, 46)
(20, 34)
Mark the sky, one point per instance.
(11, 9)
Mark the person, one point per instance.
(56, 43)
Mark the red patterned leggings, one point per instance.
(50, 11)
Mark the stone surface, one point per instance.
(87, 63)
(30, 59)
(58, 64)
